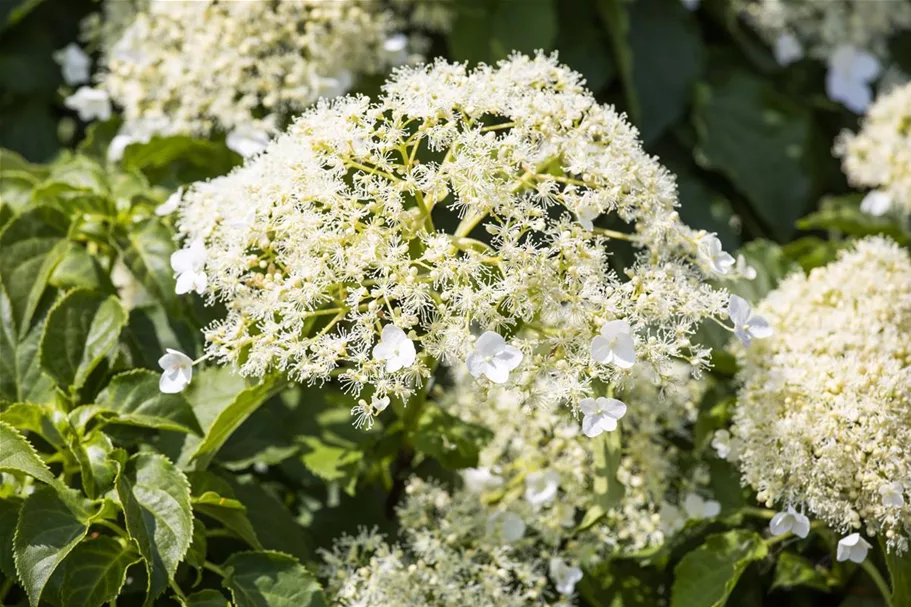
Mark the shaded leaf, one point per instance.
(706, 576)
(95, 572)
(206, 598)
(793, 570)
(9, 516)
(608, 451)
(146, 251)
(271, 579)
(18, 455)
(51, 524)
(81, 329)
(137, 400)
(455, 443)
(899, 574)
(156, 505)
(21, 379)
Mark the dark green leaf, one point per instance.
(136, 398)
(31, 246)
(842, 216)
(706, 576)
(51, 524)
(146, 250)
(30, 128)
(230, 418)
(759, 139)
(21, 379)
(9, 516)
(229, 512)
(18, 455)
(98, 470)
(82, 328)
(95, 572)
(79, 269)
(206, 598)
(900, 575)
(487, 31)
(156, 505)
(660, 55)
(608, 451)
(271, 579)
(793, 570)
(179, 159)
(455, 443)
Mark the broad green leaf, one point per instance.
(196, 553)
(79, 269)
(51, 524)
(899, 574)
(230, 418)
(455, 443)
(18, 455)
(760, 140)
(95, 572)
(81, 329)
(21, 378)
(487, 31)
(608, 450)
(137, 400)
(842, 216)
(332, 463)
(271, 579)
(156, 505)
(793, 570)
(660, 55)
(229, 512)
(206, 598)
(31, 246)
(146, 250)
(9, 516)
(179, 159)
(76, 175)
(98, 470)
(38, 419)
(706, 576)
(582, 44)
(29, 126)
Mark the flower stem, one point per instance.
(878, 579)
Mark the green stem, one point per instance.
(111, 526)
(214, 568)
(878, 579)
(4, 590)
(177, 590)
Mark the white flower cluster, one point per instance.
(320, 244)
(515, 522)
(192, 66)
(849, 35)
(879, 156)
(823, 421)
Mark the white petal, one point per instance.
(476, 364)
(614, 408)
(744, 336)
(876, 203)
(601, 349)
(393, 364)
(383, 351)
(588, 406)
(801, 527)
(496, 371)
(866, 67)
(510, 356)
(781, 523)
(607, 423)
(624, 352)
(186, 282)
(711, 509)
(392, 334)
(489, 343)
(759, 327)
(613, 328)
(591, 425)
(787, 49)
(407, 353)
(739, 310)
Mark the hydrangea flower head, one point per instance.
(823, 420)
(448, 207)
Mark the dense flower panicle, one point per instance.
(191, 66)
(824, 414)
(879, 155)
(338, 239)
(508, 535)
(822, 27)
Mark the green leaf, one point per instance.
(206, 598)
(95, 572)
(18, 455)
(842, 216)
(196, 553)
(76, 175)
(455, 443)
(582, 44)
(771, 265)
(38, 419)
(271, 579)
(332, 463)
(97, 469)
(793, 570)
(180, 159)
(51, 524)
(608, 450)
(9, 516)
(706, 576)
(81, 329)
(230, 418)
(230, 513)
(156, 505)
(29, 126)
(660, 53)
(759, 139)
(487, 31)
(21, 379)
(146, 251)
(900, 575)
(31, 246)
(137, 400)
(79, 269)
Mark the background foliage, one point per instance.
(272, 472)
